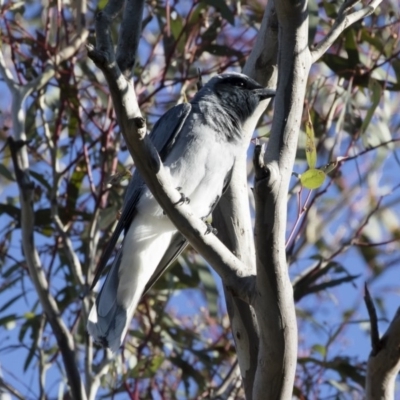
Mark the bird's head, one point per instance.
(238, 94)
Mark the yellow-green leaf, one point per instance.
(311, 151)
(376, 94)
(329, 167)
(332, 165)
(312, 179)
(319, 349)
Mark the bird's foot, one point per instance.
(183, 199)
(210, 229)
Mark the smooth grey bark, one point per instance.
(274, 304)
(383, 364)
(232, 215)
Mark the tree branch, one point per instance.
(21, 166)
(384, 365)
(274, 305)
(232, 214)
(10, 389)
(375, 341)
(129, 36)
(346, 17)
(64, 338)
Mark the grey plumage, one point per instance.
(198, 143)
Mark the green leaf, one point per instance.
(312, 179)
(304, 284)
(32, 322)
(346, 68)
(108, 216)
(188, 370)
(372, 39)
(330, 9)
(178, 277)
(337, 64)
(146, 368)
(351, 47)
(41, 179)
(155, 364)
(311, 151)
(176, 26)
(223, 8)
(331, 165)
(343, 366)
(8, 272)
(197, 15)
(332, 283)
(101, 4)
(376, 93)
(210, 289)
(73, 125)
(12, 211)
(29, 358)
(6, 173)
(319, 349)
(73, 190)
(43, 217)
(224, 51)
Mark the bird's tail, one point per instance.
(144, 246)
(108, 321)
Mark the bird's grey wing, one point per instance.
(163, 136)
(134, 189)
(168, 127)
(179, 243)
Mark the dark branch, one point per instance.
(131, 29)
(375, 340)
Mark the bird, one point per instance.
(198, 143)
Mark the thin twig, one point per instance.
(375, 340)
(344, 19)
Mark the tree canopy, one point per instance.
(65, 165)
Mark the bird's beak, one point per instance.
(264, 93)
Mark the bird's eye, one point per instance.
(238, 82)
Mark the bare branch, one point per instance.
(232, 214)
(262, 62)
(346, 17)
(21, 166)
(361, 153)
(48, 73)
(10, 389)
(129, 36)
(70, 252)
(384, 366)
(63, 336)
(375, 341)
(102, 370)
(274, 304)
(42, 359)
(81, 15)
(75, 264)
(226, 383)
